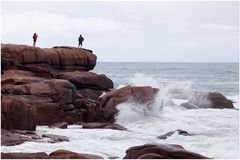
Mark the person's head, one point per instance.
(80, 35)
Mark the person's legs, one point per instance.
(34, 43)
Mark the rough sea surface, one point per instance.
(216, 131)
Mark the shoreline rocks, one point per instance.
(58, 154)
(208, 100)
(178, 131)
(161, 151)
(52, 86)
(16, 137)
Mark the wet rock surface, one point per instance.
(161, 151)
(16, 137)
(208, 100)
(53, 87)
(105, 110)
(178, 131)
(58, 154)
(102, 126)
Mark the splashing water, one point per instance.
(216, 133)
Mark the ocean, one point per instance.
(216, 131)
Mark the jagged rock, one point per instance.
(89, 80)
(90, 93)
(178, 131)
(68, 107)
(62, 125)
(208, 100)
(25, 112)
(17, 77)
(161, 151)
(56, 138)
(59, 154)
(38, 155)
(61, 58)
(105, 110)
(15, 137)
(60, 91)
(95, 125)
(18, 114)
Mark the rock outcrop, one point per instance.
(15, 137)
(105, 110)
(208, 100)
(99, 125)
(47, 59)
(47, 86)
(178, 131)
(161, 151)
(58, 154)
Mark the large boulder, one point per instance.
(17, 77)
(208, 100)
(9, 138)
(105, 110)
(24, 112)
(58, 154)
(18, 114)
(60, 91)
(161, 151)
(38, 155)
(63, 58)
(89, 80)
(64, 154)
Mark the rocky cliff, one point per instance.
(46, 60)
(49, 85)
(54, 87)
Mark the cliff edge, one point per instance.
(62, 57)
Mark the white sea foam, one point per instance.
(216, 132)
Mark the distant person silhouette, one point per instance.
(80, 40)
(35, 36)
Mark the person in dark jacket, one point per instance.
(35, 36)
(80, 40)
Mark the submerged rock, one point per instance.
(161, 151)
(208, 100)
(55, 138)
(11, 138)
(16, 137)
(62, 125)
(102, 126)
(178, 131)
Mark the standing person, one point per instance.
(80, 40)
(35, 36)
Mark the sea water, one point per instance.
(215, 131)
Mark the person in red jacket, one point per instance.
(35, 36)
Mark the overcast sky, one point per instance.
(129, 31)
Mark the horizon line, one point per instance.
(159, 62)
